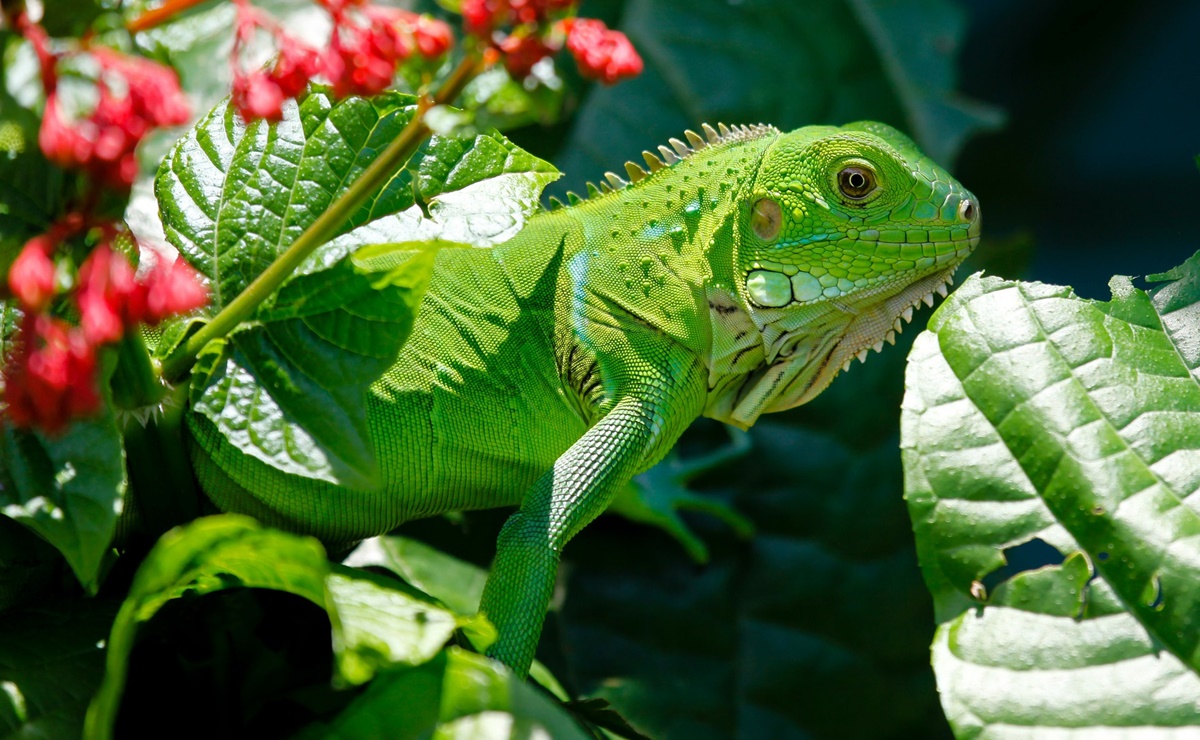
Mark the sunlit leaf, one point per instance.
(1034, 416)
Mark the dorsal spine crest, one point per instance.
(669, 156)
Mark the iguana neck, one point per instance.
(641, 257)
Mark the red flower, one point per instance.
(480, 15)
(260, 94)
(111, 299)
(109, 296)
(153, 89)
(172, 288)
(257, 95)
(135, 95)
(296, 65)
(362, 60)
(522, 52)
(433, 37)
(31, 276)
(51, 377)
(535, 11)
(601, 54)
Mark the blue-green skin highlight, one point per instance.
(546, 372)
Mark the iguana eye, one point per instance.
(856, 182)
(766, 218)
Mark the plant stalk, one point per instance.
(134, 383)
(325, 227)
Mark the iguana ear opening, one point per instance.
(766, 218)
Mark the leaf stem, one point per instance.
(325, 226)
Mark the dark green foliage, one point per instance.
(51, 660)
(68, 488)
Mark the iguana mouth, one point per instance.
(805, 350)
(874, 326)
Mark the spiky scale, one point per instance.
(555, 203)
(683, 150)
(668, 156)
(653, 162)
(711, 134)
(636, 174)
(573, 199)
(696, 140)
(723, 130)
(593, 191)
(614, 180)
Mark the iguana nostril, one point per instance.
(967, 210)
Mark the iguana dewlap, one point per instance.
(736, 277)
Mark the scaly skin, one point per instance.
(548, 371)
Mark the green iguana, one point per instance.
(736, 277)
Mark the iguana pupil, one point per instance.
(856, 182)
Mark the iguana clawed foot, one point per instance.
(657, 496)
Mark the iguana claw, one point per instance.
(657, 496)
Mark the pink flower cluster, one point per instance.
(50, 376)
(135, 96)
(599, 52)
(366, 44)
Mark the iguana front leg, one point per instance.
(637, 431)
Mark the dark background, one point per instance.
(1096, 158)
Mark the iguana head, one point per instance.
(841, 233)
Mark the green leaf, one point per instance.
(381, 624)
(306, 364)
(67, 487)
(781, 62)
(51, 661)
(234, 197)
(1035, 675)
(455, 695)
(454, 582)
(377, 624)
(1032, 414)
(208, 555)
(70, 17)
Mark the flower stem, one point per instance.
(325, 226)
(160, 14)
